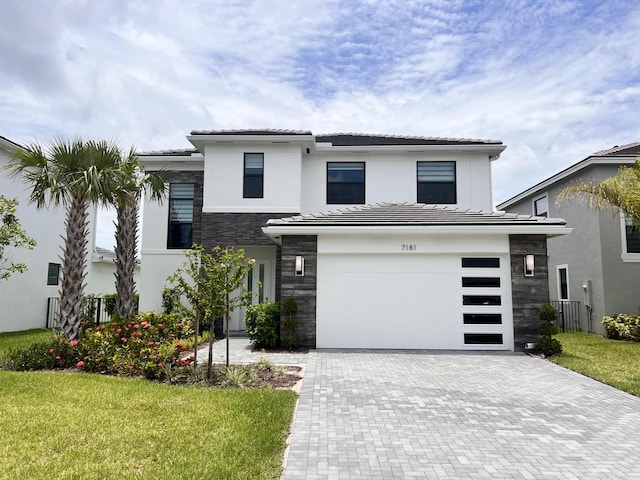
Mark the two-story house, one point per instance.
(24, 296)
(597, 267)
(384, 241)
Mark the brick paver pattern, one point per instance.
(407, 415)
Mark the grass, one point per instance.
(614, 362)
(83, 426)
(13, 340)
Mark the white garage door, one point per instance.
(414, 302)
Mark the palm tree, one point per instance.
(132, 181)
(73, 174)
(621, 192)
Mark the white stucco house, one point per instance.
(384, 241)
(24, 296)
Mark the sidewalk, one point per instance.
(240, 352)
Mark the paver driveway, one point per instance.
(376, 414)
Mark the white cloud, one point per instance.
(556, 80)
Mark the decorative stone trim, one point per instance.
(302, 289)
(528, 293)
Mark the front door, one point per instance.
(260, 282)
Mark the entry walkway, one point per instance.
(410, 415)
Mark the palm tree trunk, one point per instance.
(126, 246)
(74, 263)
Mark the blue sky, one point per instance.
(554, 80)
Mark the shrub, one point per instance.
(47, 354)
(547, 345)
(622, 327)
(110, 304)
(262, 323)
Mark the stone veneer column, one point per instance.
(528, 293)
(302, 289)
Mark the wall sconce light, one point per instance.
(299, 266)
(529, 265)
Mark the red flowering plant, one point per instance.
(142, 345)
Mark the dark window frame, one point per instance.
(481, 282)
(332, 193)
(475, 339)
(250, 187)
(480, 262)
(51, 275)
(421, 193)
(476, 300)
(563, 283)
(544, 213)
(482, 318)
(632, 236)
(180, 233)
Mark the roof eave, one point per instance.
(200, 140)
(493, 150)
(275, 232)
(194, 162)
(567, 172)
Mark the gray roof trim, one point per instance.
(411, 214)
(364, 139)
(250, 131)
(567, 172)
(177, 152)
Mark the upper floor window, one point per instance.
(437, 182)
(53, 274)
(345, 182)
(253, 182)
(180, 233)
(541, 206)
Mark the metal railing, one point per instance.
(569, 315)
(93, 307)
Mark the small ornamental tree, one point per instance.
(213, 285)
(11, 235)
(547, 344)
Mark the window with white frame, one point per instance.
(563, 282)
(630, 239)
(541, 206)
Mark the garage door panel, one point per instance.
(397, 301)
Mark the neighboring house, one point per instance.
(408, 253)
(597, 267)
(24, 296)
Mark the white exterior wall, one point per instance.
(154, 270)
(224, 173)
(392, 177)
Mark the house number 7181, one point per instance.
(409, 247)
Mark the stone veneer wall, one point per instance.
(302, 289)
(528, 293)
(241, 230)
(197, 178)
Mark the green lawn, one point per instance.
(12, 340)
(614, 362)
(84, 426)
